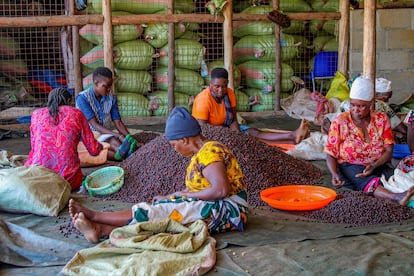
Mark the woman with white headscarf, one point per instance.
(360, 145)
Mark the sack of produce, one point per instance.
(263, 48)
(158, 102)
(132, 105)
(188, 54)
(262, 75)
(94, 33)
(185, 81)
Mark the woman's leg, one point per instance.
(117, 218)
(401, 198)
(283, 136)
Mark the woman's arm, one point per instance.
(332, 164)
(216, 174)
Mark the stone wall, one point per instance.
(394, 52)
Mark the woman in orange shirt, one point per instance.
(216, 105)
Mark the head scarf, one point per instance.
(180, 124)
(382, 85)
(362, 89)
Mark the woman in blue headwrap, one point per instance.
(215, 188)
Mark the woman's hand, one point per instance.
(367, 171)
(337, 182)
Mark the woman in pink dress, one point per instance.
(55, 132)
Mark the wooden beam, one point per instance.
(80, 20)
(343, 38)
(369, 43)
(228, 41)
(51, 21)
(107, 35)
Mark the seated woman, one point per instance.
(360, 145)
(55, 132)
(216, 105)
(216, 190)
(100, 107)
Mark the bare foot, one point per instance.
(407, 195)
(75, 208)
(86, 227)
(303, 131)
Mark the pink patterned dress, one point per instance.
(55, 146)
(347, 144)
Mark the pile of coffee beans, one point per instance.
(359, 209)
(157, 169)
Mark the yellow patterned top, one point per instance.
(211, 152)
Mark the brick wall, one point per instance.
(394, 52)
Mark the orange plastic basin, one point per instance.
(298, 197)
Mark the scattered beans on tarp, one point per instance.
(157, 169)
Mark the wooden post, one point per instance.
(77, 71)
(343, 37)
(278, 61)
(107, 34)
(369, 46)
(228, 41)
(171, 61)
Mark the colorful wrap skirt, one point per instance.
(224, 215)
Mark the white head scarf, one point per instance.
(382, 85)
(362, 89)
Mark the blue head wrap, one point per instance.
(180, 124)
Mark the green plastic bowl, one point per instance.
(104, 181)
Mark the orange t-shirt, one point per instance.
(206, 108)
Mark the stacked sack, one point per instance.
(188, 60)
(133, 52)
(254, 54)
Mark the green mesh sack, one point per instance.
(220, 64)
(132, 105)
(331, 45)
(94, 33)
(296, 27)
(158, 102)
(140, 6)
(255, 28)
(263, 48)
(330, 6)
(134, 81)
(294, 6)
(260, 107)
(186, 81)
(320, 41)
(303, 44)
(85, 46)
(133, 55)
(94, 57)
(330, 26)
(156, 34)
(262, 75)
(188, 54)
(242, 101)
(316, 27)
(192, 35)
